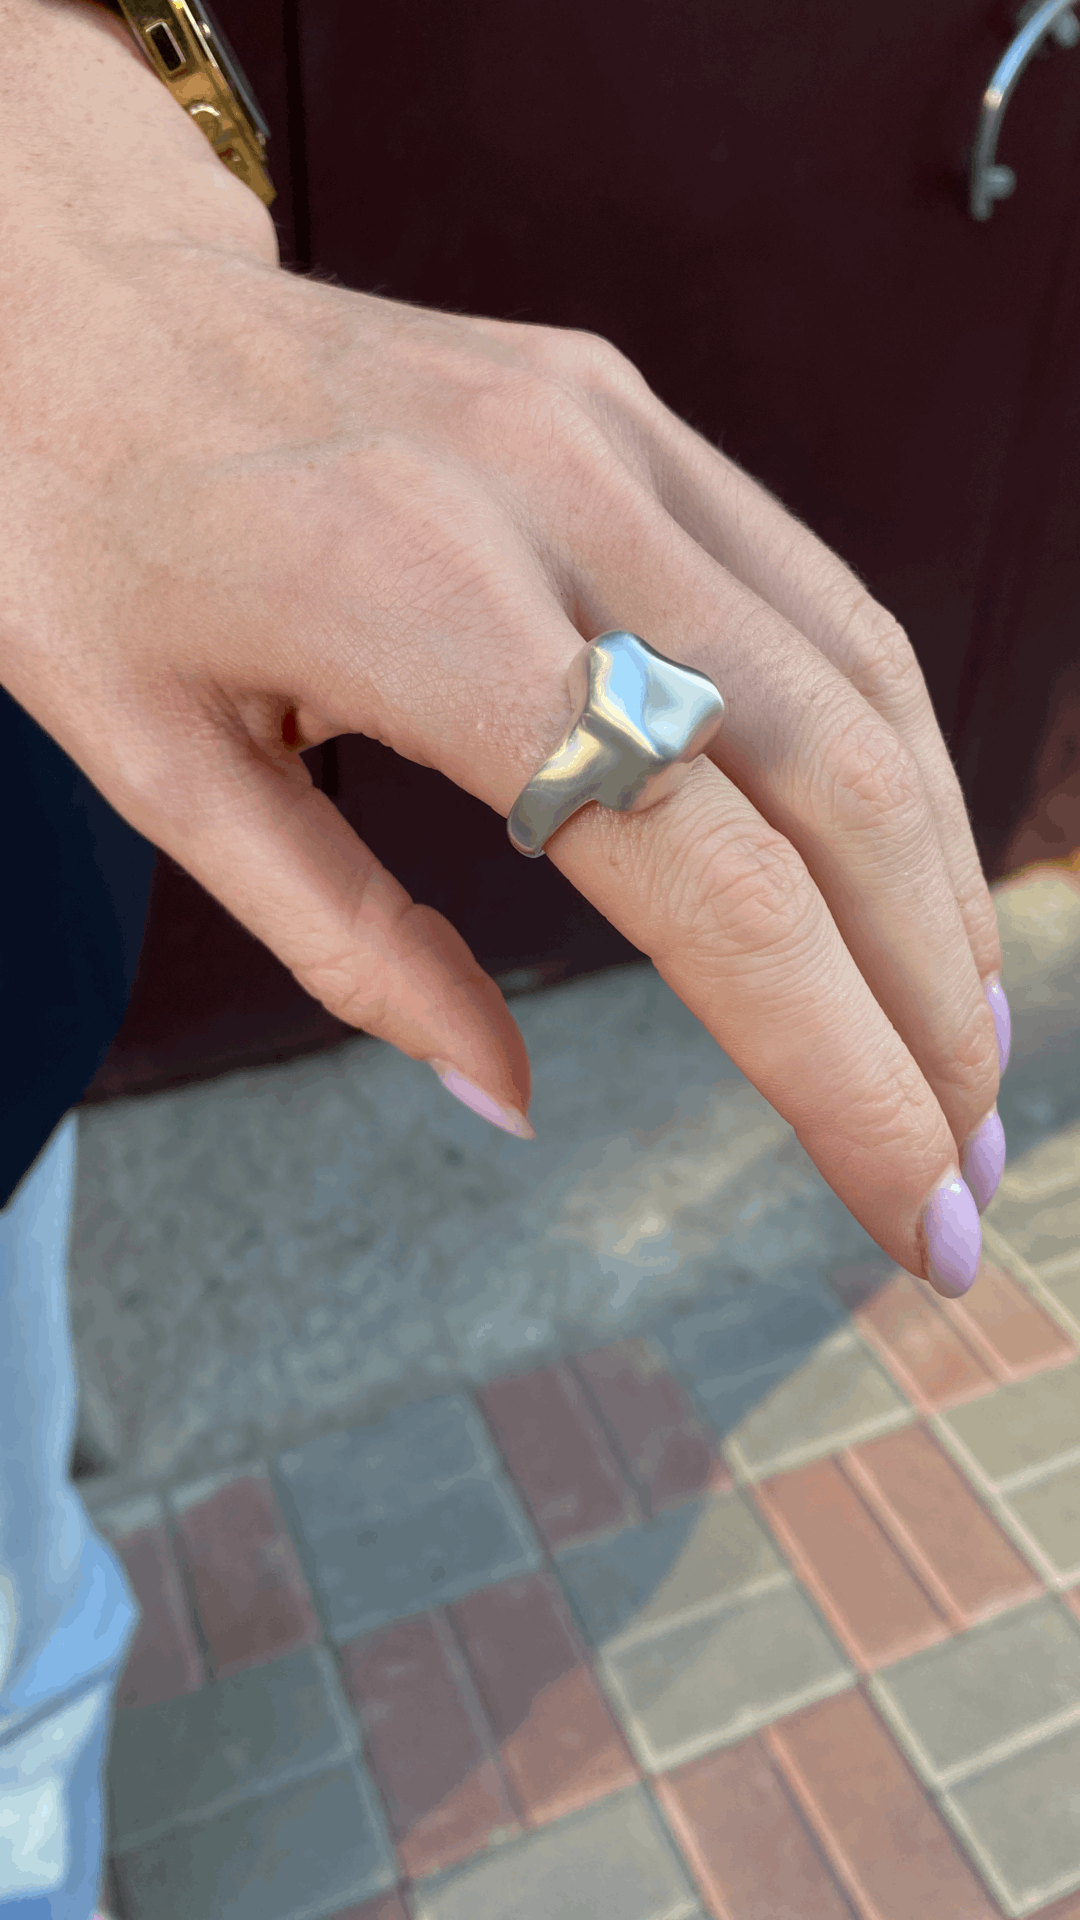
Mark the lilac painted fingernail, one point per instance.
(984, 1159)
(953, 1237)
(477, 1101)
(999, 1007)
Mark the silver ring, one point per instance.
(639, 720)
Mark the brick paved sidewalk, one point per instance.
(773, 1614)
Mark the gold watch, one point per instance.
(188, 51)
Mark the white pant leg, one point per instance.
(66, 1614)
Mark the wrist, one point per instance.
(93, 146)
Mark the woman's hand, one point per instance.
(231, 495)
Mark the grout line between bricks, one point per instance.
(118, 1520)
(640, 1493)
(982, 1350)
(748, 1723)
(861, 1659)
(182, 1819)
(997, 1504)
(636, 1511)
(895, 1529)
(640, 1496)
(364, 1757)
(181, 1560)
(596, 1659)
(191, 1493)
(1013, 1905)
(702, 1903)
(747, 1474)
(743, 1472)
(469, 1688)
(710, 1608)
(941, 1780)
(970, 1335)
(1061, 1266)
(964, 1770)
(907, 1383)
(717, 1907)
(1025, 1477)
(1013, 1262)
(800, 1790)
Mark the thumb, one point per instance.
(278, 854)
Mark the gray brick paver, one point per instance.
(830, 1398)
(471, 1536)
(398, 1516)
(1023, 1427)
(304, 1852)
(615, 1861)
(1021, 1819)
(1049, 1510)
(756, 1325)
(401, 1461)
(958, 1705)
(713, 1680)
(645, 1575)
(1043, 1230)
(243, 1736)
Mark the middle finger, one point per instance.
(826, 771)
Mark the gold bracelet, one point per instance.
(189, 53)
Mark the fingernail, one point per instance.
(953, 1237)
(477, 1101)
(984, 1159)
(999, 1007)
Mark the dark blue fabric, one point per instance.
(76, 889)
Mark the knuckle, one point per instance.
(524, 408)
(973, 1069)
(740, 892)
(974, 899)
(874, 778)
(346, 988)
(587, 362)
(887, 669)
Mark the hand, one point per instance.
(236, 501)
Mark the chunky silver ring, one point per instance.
(639, 720)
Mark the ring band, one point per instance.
(639, 720)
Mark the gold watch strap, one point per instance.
(189, 53)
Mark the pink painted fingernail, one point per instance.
(999, 1007)
(477, 1101)
(953, 1237)
(983, 1159)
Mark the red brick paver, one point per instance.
(165, 1660)
(960, 1554)
(1008, 1329)
(747, 1846)
(670, 1453)
(558, 1741)
(922, 1349)
(445, 1793)
(875, 1603)
(558, 1454)
(886, 1842)
(252, 1599)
